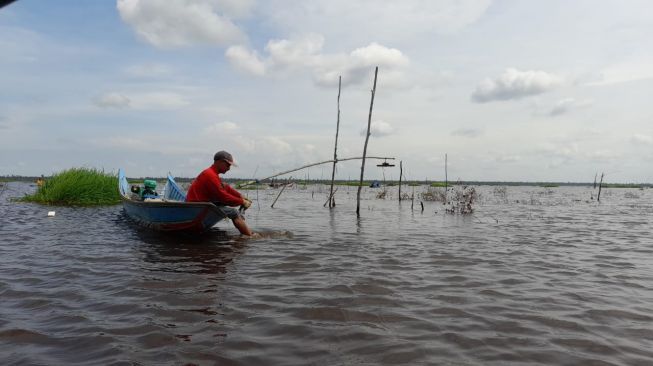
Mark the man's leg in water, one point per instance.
(241, 225)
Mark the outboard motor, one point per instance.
(148, 190)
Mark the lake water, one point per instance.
(534, 276)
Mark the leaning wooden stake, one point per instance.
(595, 179)
(598, 198)
(367, 138)
(331, 200)
(401, 170)
(445, 179)
(412, 203)
(335, 148)
(279, 195)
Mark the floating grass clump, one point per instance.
(78, 187)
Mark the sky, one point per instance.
(509, 90)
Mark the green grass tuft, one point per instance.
(78, 187)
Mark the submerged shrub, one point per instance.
(78, 187)
(462, 200)
(434, 194)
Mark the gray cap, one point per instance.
(223, 155)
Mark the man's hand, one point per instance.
(246, 203)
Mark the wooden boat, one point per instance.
(169, 212)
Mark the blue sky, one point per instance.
(510, 90)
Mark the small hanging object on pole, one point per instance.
(385, 164)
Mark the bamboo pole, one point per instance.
(309, 166)
(367, 139)
(335, 148)
(401, 170)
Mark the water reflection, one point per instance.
(207, 253)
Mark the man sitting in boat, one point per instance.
(208, 187)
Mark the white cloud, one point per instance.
(602, 155)
(222, 127)
(515, 84)
(467, 132)
(179, 23)
(245, 60)
(305, 53)
(508, 158)
(235, 8)
(374, 19)
(626, 71)
(151, 70)
(275, 145)
(379, 129)
(567, 105)
(113, 100)
(641, 139)
(129, 143)
(158, 100)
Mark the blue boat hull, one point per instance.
(170, 213)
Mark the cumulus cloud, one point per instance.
(143, 101)
(158, 100)
(626, 71)
(467, 132)
(245, 60)
(375, 19)
(508, 158)
(129, 143)
(112, 100)
(274, 145)
(222, 127)
(641, 139)
(179, 23)
(151, 70)
(305, 53)
(602, 155)
(565, 106)
(379, 129)
(515, 84)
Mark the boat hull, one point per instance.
(173, 216)
(169, 213)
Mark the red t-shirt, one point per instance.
(208, 187)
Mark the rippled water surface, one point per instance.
(535, 276)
